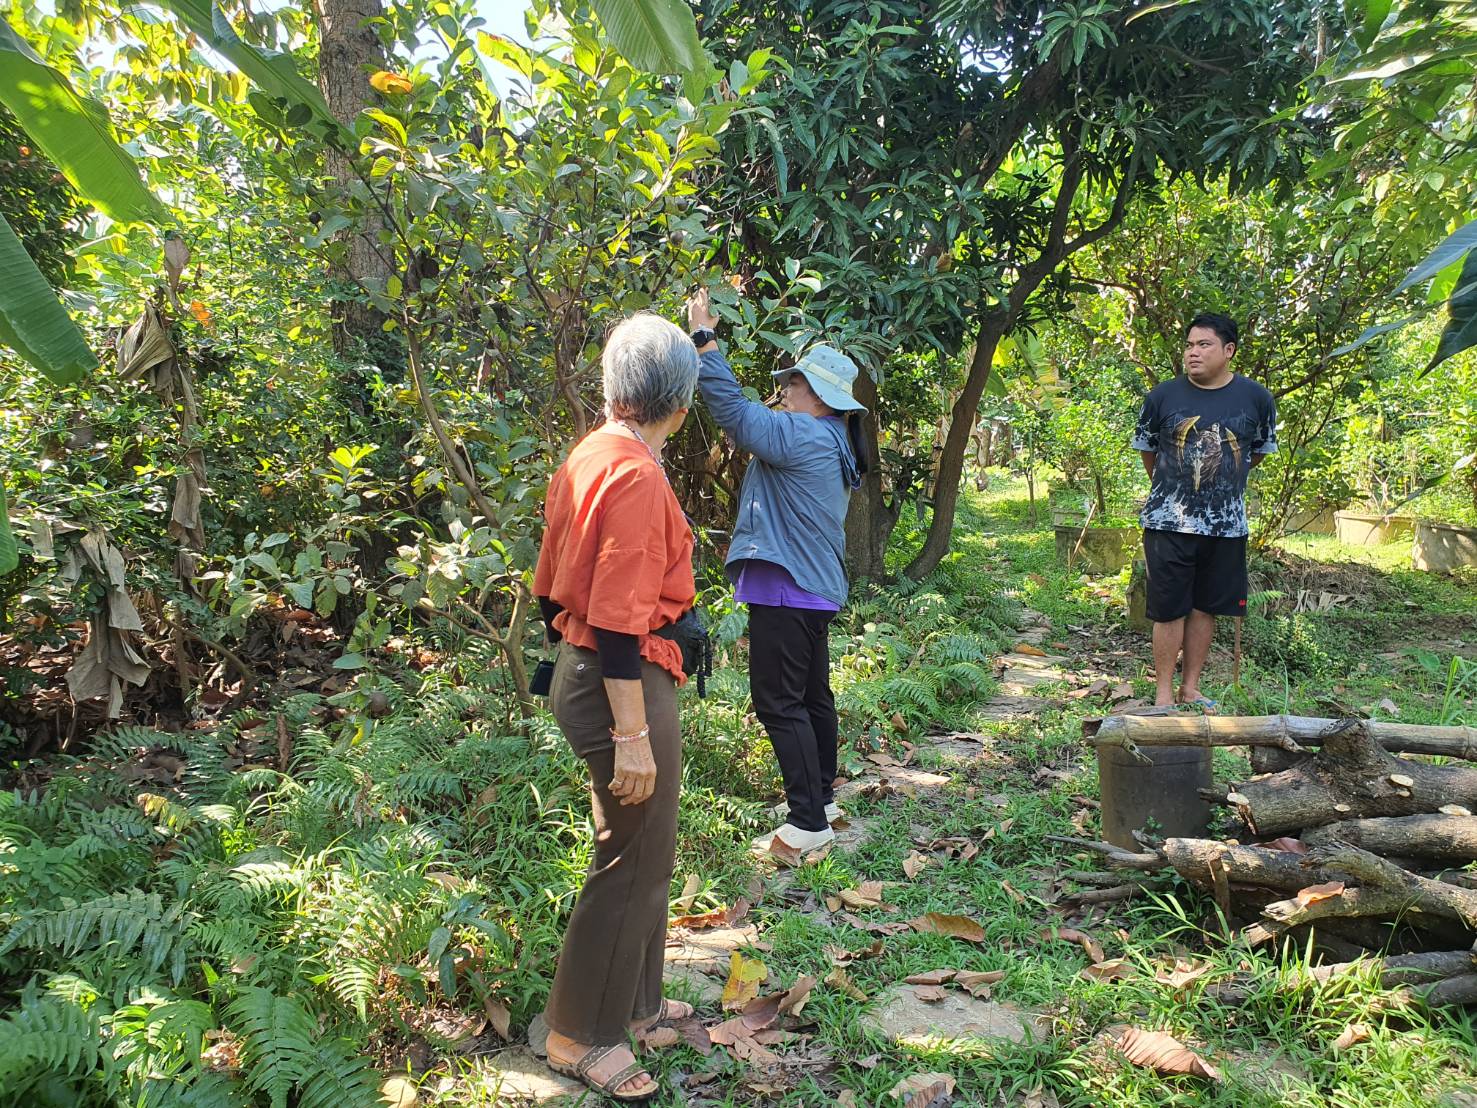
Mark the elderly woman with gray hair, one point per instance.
(615, 570)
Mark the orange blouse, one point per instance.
(617, 550)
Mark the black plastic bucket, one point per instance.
(1161, 797)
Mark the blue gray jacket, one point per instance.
(792, 506)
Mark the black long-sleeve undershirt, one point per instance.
(620, 653)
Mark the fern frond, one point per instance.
(47, 1035)
(277, 1036)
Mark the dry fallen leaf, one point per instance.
(955, 927)
(659, 1038)
(915, 863)
(1163, 1054)
(846, 1099)
(1081, 938)
(978, 984)
(866, 895)
(840, 980)
(1030, 649)
(932, 994)
(923, 1090)
(796, 996)
(783, 853)
(719, 917)
(500, 1018)
(1114, 970)
(745, 975)
(931, 977)
(840, 956)
(1354, 1033)
(1314, 893)
(1182, 976)
(399, 1092)
(1012, 892)
(1040, 1098)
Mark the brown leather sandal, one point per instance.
(591, 1058)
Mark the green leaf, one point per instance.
(350, 661)
(1371, 20)
(273, 73)
(9, 555)
(1454, 246)
(659, 36)
(73, 132)
(33, 322)
(1461, 328)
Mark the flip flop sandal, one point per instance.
(591, 1058)
(1204, 703)
(667, 1014)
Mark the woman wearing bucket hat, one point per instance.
(787, 557)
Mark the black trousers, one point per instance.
(790, 682)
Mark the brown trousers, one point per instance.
(610, 969)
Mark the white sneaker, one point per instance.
(834, 812)
(794, 837)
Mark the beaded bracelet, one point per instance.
(644, 733)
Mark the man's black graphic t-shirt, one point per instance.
(1205, 440)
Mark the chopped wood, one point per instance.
(1421, 893)
(1350, 776)
(1447, 838)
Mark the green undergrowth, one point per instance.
(184, 923)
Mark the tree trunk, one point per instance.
(1446, 838)
(348, 53)
(1352, 777)
(869, 518)
(956, 445)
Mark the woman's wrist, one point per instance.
(621, 735)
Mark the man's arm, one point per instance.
(1149, 458)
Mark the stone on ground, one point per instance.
(516, 1077)
(704, 950)
(899, 1015)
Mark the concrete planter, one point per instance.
(1368, 529)
(1096, 549)
(1443, 547)
(1310, 521)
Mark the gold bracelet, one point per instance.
(644, 733)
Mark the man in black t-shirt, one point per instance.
(1199, 434)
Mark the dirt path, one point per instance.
(699, 961)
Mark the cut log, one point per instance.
(1115, 856)
(1352, 777)
(1289, 733)
(1447, 838)
(1454, 992)
(1421, 893)
(1245, 865)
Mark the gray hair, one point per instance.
(650, 369)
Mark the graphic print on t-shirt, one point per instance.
(1204, 441)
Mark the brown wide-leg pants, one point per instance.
(610, 969)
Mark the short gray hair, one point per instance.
(650, 369)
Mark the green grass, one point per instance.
(337, 888)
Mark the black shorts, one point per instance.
(1201, 572)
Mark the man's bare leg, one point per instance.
(1168, 637)
(1199, 631)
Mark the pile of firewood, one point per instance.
(1339, 836)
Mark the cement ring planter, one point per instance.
(1096, 549)
(1369, 529)
(1310, 521)
(1443, 547)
